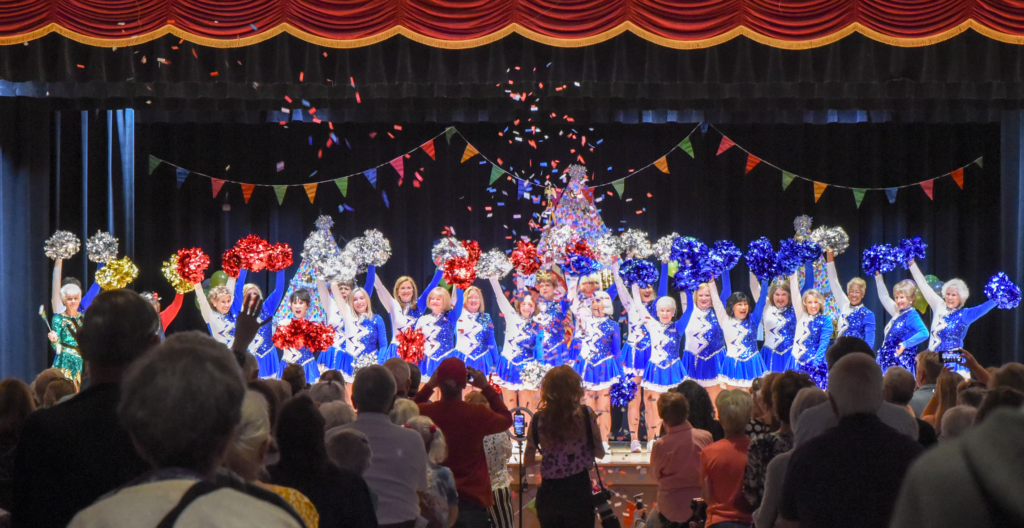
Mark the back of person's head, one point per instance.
(855, 385)
(673, 408)
(766, 395)
(415, 376)
(270, 396)
(784, 391)
(42, 380)
(898, 386)
(350, 449)
(332, 375)
(373, 390)
(403, 411)
(844, 346)
(296, 378)
(182, 401)
(282, 388)
(250, 367)
(957, 420)
(1010, 375)
(945, 390)
(252, 438)
(327, 391)
(433, 438)
(971, 395)
(999, 397)
(16, 403)
(734, 408)
(929, 366)
(477, 397)
(300, 434)
(57, 390)
(451, 377)
(118, 328)
(561, 391)
(702, 412)
(401, 371)
(337, 414)
(805, 399)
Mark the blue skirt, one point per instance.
(740, 372)
(388, 352)
(430, 364)
(270, 365)
(600, 376)
(572, 351)
(660, 378)
(483, 362)
(704, 369)
(635, 361)
(557, 355)
(887, 358)
(778, 361)
(331, 358)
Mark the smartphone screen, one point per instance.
(519, 424)
(953, 356)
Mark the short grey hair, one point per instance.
(252, 433)
(403, 411)
(855, 385)
(666, 302)
(350, 449)
(182, 401)
(898, 386)
(373, 390)
(69, 289)
(957, 284)
(805, 399)
(326, 392)
(337, 414)
(400, 370)
(957, 420)
(734, 408)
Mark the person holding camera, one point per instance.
(563, 431)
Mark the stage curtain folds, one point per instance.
(792, 24)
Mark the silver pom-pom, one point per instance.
(340, 267)
(532, 373)
(559, 237)
(446, 248)
(377, 247)
(102, 247)
(607, 249)
(802, 224)
(324, 223)
(363, 361)
(834, 238)
(663, 247)
(62, 245)
(634, 242)
(493, 264)
(318, 248)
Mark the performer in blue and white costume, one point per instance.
(742, 362)
(404, 307)
(553, 308)
(855, 319)
(220, 323)
(704, 347)
(332, 358)
(905, 330)
(475, 333)
(298, 303)
(950, 320)
(365, 334)
(262, 347)
(779, 321)
(438, 327)
(813, 333)
(598, 362)
(523, 346)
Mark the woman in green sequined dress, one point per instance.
(62, 337)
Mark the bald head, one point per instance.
(898, 386)
(400, 370)
(855, 385)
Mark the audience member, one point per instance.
(57, 390)
(822, 417)
(999, 397)
(762, 450)
(767, 516)
(943, 400)
(956, 421)
(702, 412)
(723, 463)
(96, 453)
(1010, 375)
(251, 368)
(295, 376)
(929, 366)
(563, 430)
(333, 375)
(974, 480)
(282, 388)
(403, 411)
(341, 497)
(466, 425)
(270, 396)
(327, 391)
(337, 414)
(898, 389)
(42, 380)
(970, 393)
(498, 448)
(400, 370)
(349, 449)
(17, 401)
(441, 498)
(398, 467)
(180, 404)
(850, 474)
(675, 459)
(761, 419)
(414, 378)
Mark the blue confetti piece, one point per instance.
(501, 204)
(347, 144)
(599, 142)
(384, 195)
(484, 162)
(609, 168)
(305, 103)
(334, 138)
(314, 173)
(543, 164)
(311, 141)
(254, 28)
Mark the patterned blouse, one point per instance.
(569, 458)
(756, 429)
(299, 502)
(761, 452)
(498, 448)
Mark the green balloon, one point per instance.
(219, 278)
(673, 267)
(920, 303)
(931, 280)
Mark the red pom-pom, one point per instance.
(495, 386)
(231, 263)
(319, 337)
(410, 345)
(253, 252)
(192, 264)
(581, 248)
(279, 257)
(300, 333)
(525, 258)
(472, 250)
(459, 272)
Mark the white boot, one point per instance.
(634, 446)
(650, 444)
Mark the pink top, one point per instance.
(675, 467)
(721, 467)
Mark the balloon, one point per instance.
(920, 303)
(938, 287)
(931, 280)
(219, 278)
(673, 267)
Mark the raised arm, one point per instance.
(627, 300)
(274, 299)
(973, 313)
(325, 296)
(883, 296)
(503, 304)
(833, 280)
(457, 309)
(687, 298)
(726, 286)
(716, 302)
(808, 276)
(795, 299)
(371, 277)
(385, 296)
(755, 286)
(204, 303)
(758, 312)
(236, 297)
(94, 290)
(56, 302)
(421, 303)
(663, 281)
(167, 316)
(934, 300)
(348, 319)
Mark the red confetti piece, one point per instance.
(416, 184)
(325, 54)
(82, 66)
(398, 127)
(312, 110)
(214, 74)
(302, 75)
(320, 153)
(352, 81)
(357, 98)
(194, 53)
(289, 99)
(329, 142)
(542, 85)
(373, 135)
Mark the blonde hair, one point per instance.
(734, 408)
(781, 284)
(56, 390)
(216, 292)
(352, 304)
(961, 288)
(252, 431)
(433, 438)
(906, 287)
(403, 411)
(445, 296)
(817, 295)
(249, 287)
(857, 281)
(398, 284)
(465, 297)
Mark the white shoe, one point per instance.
(634, 446)
(650, 444)
(607, 448)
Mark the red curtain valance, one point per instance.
(792, 24)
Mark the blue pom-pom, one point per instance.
(728, 253)
(761, 259)
(688, 252)
(1003, 291)
(623, 392)
(639, 271)
(909, 249)
(686, 280)
(583, 265)
(879, 258)
(793, 255)
(809, 250)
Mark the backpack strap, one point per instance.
(203, 487)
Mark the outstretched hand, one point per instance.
(247, 324)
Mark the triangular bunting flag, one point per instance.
(399, 167)
(342, 184)
(247, 189)
(371, 175)
(310, 190)
(958, 177)
(448, 133)
(818, 189)
(469, 153)
(154, 162)
(217, 184)
(496, 172)
(858, 196)
(787, 178)
(980, 161)
(181, 174)
(687, 146)
(928, 186)
(620, 186)
(523, 188)
(725, 145)
(279, 190)
(662, 164)
(428, 147)
(890, 193)
(752, 162)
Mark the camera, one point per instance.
(952, 356)
(639, 501)
(603, 505)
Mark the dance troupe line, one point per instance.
(558, 313)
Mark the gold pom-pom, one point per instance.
(170, 271)
(116, 274)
